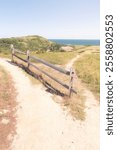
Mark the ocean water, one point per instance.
(76, 41)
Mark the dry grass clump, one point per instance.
(76, 105)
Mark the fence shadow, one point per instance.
(49, 87)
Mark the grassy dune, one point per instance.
(33, 43)
(88, 69)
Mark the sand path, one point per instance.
(43, 125)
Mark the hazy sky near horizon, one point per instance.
(72, 19)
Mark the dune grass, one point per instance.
(5, 55)
(88, 69)
(62, 58)
(59, 58)
(54, 57)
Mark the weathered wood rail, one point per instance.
(69, 73)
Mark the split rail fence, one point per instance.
(69, 73)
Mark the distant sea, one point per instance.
(76, 41)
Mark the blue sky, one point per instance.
(72, 19)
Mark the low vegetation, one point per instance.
(88, 69)
(33, 43)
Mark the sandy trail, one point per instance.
(70, 64)
(43, 125)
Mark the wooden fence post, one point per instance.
(13, 51)
(28, 57)
(71, 81)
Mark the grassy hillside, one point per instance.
(33, 43)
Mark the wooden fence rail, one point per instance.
(51, 65)
(69, 73)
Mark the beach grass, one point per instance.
(88, 69)
(59, 58)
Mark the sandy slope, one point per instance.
(43, 125)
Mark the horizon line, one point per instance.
(70, 39)
(50, 38)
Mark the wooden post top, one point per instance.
(11, 46)
(28, 52)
